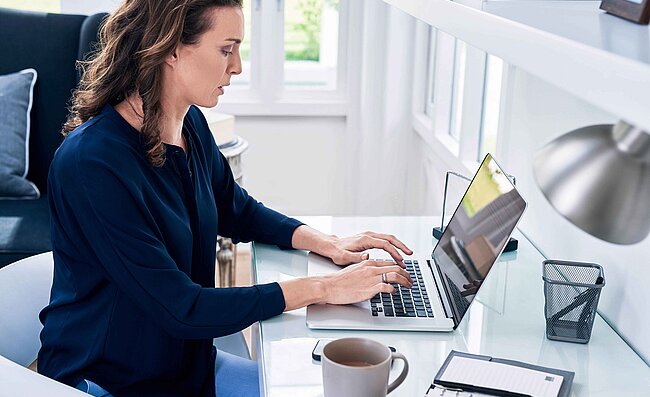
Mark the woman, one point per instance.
(138, 191)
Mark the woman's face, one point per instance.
(201, 71)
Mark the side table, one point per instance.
(226, 250)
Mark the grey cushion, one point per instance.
(16, 93)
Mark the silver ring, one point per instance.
(383, 278)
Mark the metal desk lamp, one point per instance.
(512, 244)
(598, 177)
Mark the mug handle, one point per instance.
(401, 376)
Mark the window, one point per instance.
(294, 53)
(458, 90)
(440, 80)
(81, 7)
(311, 30)
(458, 108)
(295, 56)
(53, 6)
(243, 81)
(491, 106)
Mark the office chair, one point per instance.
(24, 291)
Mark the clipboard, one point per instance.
(443, 386)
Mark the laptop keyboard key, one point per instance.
(404, 302)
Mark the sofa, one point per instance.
(51, 44)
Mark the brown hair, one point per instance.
(133, 44)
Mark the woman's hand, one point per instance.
(353, 284)
(347, 250)
(362, 281)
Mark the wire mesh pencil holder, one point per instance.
(571, 292)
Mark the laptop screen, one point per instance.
(476, 234)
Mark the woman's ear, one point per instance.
(172, 58)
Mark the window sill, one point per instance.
(285, 108)
(441, 143)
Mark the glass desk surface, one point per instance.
(505, 320)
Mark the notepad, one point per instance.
(476, 375)
(497, 376)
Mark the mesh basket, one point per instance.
(571, 292)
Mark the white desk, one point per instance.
(506, 320)
(16, 380)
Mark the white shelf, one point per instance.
(574, 45)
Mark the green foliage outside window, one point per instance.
(303, 26)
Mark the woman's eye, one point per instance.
(226, 53)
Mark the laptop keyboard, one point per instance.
(404, 302)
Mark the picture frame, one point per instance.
(637, 11)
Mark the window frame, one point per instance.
(432, 120)
(266, 94)
(501, 105)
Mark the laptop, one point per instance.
(445, 285)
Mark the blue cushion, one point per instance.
(16, 97)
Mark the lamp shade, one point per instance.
(598, 177)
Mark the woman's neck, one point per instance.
(171, 123)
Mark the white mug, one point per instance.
(359, 367)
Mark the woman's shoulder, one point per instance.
(102, 139)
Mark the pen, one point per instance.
(461, 387)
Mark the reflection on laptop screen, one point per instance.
(477, 233)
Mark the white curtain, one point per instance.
(382, 141)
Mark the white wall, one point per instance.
(88, 7)
(296, 164)
(537, 112)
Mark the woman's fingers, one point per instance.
(382, 287)
(394, 273)
(372, 242)
(394, 277)
(348, 257)
(350, 249)
(362, 281)
(391, 239)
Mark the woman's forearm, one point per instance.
(310, 239)
(302, 292)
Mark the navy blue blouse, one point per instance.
(133, 305)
